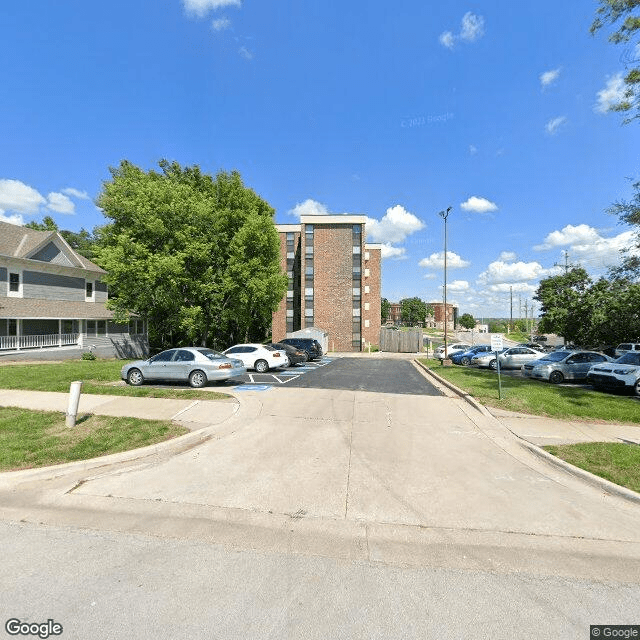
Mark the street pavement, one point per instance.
(292, 501)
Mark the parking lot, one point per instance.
(360, 374)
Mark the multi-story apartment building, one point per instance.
(334, 281)
(52, 298)
(438, 317)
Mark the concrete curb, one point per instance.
(172, 447)
(600, 483)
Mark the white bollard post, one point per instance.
(74, 401)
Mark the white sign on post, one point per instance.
(496, 342)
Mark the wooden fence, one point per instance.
(401, 341)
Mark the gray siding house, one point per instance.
(53, 299)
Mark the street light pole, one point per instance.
(444, 215)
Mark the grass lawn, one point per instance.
(617, 462)
(40, 438)
(539, 398)
(98, 376)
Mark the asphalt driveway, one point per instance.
(364, 374)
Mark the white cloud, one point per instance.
(612, 94)
(245, 53)
(389, 251)
(579, 234)
(447, 39)
(479, 205)
(220, 24)
(508, 256)
(396, 224)
(75, 193)
(549, 77)
(516, 287)
(588, 246)
(60, 203)
(457, 285)
(472, 27)
(473, 150)
(500, 272)
(430, 276)
(309, 208)
(19, 197)
(201, 7)
(436, 261)
(554, 125)
(16, 218)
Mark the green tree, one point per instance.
(197, 256)
(47, 224)
(385, 310)
(413, 310)
(625, 14)
(559, 297)
(467, 321)
(81, 242)
(497, 326)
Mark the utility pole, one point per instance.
(566, 264)
(444, 215)
(511, 312)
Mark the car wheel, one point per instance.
(261, 366)
(135, 377)
(493, 365)
(636, 387)
(556, 377)
(197, 379)
(465, 361)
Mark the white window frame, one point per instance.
(18, 293)
(92, 297)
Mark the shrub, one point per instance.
(87, 355)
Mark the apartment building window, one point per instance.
(89, 290)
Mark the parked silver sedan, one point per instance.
(558, 366)
(515, 357)
(195, 365)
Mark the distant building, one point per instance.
(436, 321)
(334, 281)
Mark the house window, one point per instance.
(89, 290)
(101, 327)
(12, 327)
(91, 327)
(14, 282)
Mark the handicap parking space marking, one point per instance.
(253, 387)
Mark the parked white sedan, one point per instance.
(259, 357)
(515, 357)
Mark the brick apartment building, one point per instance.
(437, 320)
(334, 281)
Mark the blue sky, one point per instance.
(391, 110)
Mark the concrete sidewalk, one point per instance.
(192, 414)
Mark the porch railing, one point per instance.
(37, 342)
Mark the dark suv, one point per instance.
(309, 345)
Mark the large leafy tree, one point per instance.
(197, 256)
(413, 310)
(625, 15)
(467, 321)
(385, 309)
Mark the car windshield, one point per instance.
(212, 355)
(629, 358)
(555, 356)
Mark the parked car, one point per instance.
(188, 364)
(625, 347)
(456, 347)
(464, 357)
(531, 345)
(623, 373)
(515, 357)
(295, 355)
(259, 357)
(488, 359)
(312, 347)
(563, 365)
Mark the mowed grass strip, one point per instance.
(539, 398)
(614, 461)
(98, 376)
(40, 438)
